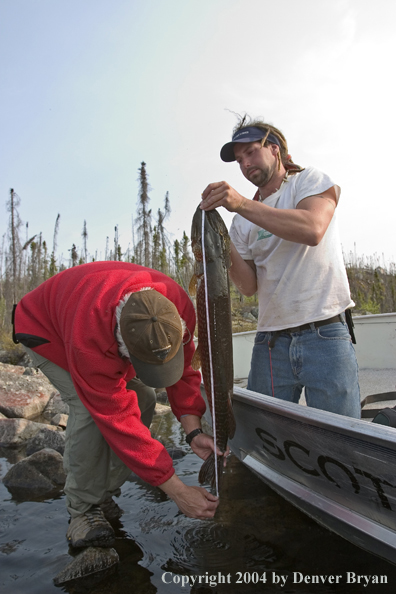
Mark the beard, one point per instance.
(260, 176)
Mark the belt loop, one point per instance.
(271, 343)
(313, 327)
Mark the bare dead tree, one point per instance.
(144, 218)
(84, 235)
(52, 267)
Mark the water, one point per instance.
(256, 535)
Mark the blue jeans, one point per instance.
(321, 359)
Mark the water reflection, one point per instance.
(255, 535)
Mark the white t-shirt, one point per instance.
(297, 283)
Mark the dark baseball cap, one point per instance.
(248, 134)
(152, 331)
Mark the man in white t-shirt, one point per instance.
(285, 246)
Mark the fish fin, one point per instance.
(192, 287)
(231, 421)
(196, 360)
(207, 474)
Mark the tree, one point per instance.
(160, 239)
(73, 255)
(183, 261)
(14, 227)
(144, 230)
(52, 267)
(84, 235)
(117, 248)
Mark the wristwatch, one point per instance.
(193, 434)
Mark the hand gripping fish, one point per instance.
(216, 305)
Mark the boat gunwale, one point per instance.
(356, 428)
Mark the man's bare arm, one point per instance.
(305, 224)
(243, 273)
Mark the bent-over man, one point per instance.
(102, 333)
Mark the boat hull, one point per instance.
(338, 470)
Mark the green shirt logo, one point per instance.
(263, 234)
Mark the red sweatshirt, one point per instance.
(70, 320)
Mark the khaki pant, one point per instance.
(94, 472)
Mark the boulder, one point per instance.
(39, 475)
(15, 432)
(46, 438)
(23, 396)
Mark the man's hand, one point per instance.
(203, 446)
(194, 502)
(221, 194)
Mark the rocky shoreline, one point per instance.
(33, 419)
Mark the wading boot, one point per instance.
(111, 510)
(90, 530)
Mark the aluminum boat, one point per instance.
(338, 470)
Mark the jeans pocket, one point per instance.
(262, 338)
(336, 331)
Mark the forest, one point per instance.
(24, 264)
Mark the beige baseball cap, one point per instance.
(151, 329)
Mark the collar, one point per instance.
(257, 196)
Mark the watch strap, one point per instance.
(193, 434)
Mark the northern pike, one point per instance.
(217, 306)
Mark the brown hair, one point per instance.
(246, 120)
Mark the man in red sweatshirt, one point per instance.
(102, 332)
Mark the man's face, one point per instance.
(257, 163)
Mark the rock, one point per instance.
(46, 438)
(248, 316)
(255, 311)
(39, 475)
(15, 432)
(14, 356)
(162, 395)
(6, 368)
(55, 406)
(23, 396)
(88, 568)
(161, 409)
(2, 416)
(176, 453)
(60, 421)
(31, 371)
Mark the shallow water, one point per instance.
(256, 535)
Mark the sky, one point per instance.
(91, 88)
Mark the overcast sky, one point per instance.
(90, 88)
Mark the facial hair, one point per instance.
(261, 175)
